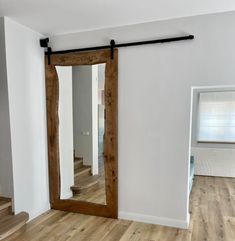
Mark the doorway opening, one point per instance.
(212, 150)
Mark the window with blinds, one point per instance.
(216, 119)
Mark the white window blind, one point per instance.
(216, 117)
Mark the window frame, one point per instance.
(198, 118)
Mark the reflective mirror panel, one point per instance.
(81, 132)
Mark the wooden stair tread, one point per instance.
(78, 164)
(82, 170)
(12, 223)
(78, 159)
(4, 203)
(86, 182)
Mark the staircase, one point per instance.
(84, 181)
(10, 223)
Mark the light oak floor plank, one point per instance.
(212, 209)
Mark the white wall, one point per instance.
(154, 106)
(85, 111)
(101, 76)
(214, 161)
(211, 159)
(82, 112)
(66, 130)
(26, 89)
(6, 178)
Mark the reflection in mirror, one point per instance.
(81, 132)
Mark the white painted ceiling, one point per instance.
(52, 17)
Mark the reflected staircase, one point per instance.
(84, 181)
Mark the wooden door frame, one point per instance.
(111, 128)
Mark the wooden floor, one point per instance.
(212, 207)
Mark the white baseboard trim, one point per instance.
(67, 195)
(39, 212)
(183, 224)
